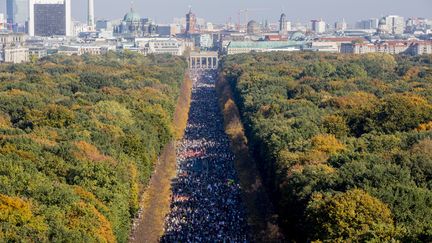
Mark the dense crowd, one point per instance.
(206, 204)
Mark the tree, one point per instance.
(403, 113)
(336, 125)
(18, 223)
(378, 64)
(350, 70)
(319, 70)
(351, 216)
(327, 143)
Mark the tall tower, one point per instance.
(283, 27)
(90, 16)
(190, 22)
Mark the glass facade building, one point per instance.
(17, 14)
(50, 19)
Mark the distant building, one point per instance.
(367, 24)
(104, 25)
(390, 47)
(209, 26)
(17, 14)
(417, 24)
(15, 55)
(334, 44)
(131, 24)
(203, 60)
(318, 26)
(422, 48)
(162, 46)
(135, 26)
(38, 52)
(391, 24)
(341, 26)
(3, 23)
(284, 25)
(12, 48)
(50, 18)
(84, 49)
(237, 47)
(168, 30)
(204, 41)
(12, 39)
(322, 46)
(254, 28)
(191, 22)
(382, 27)
(78, 27)
(165, 30)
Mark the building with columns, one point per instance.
(203, 60)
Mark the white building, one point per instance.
(318, 26)
(393, 24)
(390, 47)
(14, 55)
(85, 49)
(238, 47)
(49, 18)
(341, 25)
(322, 47)
(3, 23)
(204, 40)
(162, 46)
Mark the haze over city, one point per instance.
(220, 11)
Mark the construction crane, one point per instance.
(243, 16)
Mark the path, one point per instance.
(206, 204)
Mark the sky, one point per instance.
(220, 11)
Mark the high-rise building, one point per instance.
(392, 24)
(191, 22)
(367, 24)
(50, 17)
(318, 26)
(90, 16)
(17, 14)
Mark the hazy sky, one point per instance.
(221, 10)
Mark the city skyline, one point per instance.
(330, 11)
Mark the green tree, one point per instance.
(351, 216)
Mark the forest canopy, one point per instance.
(78, 140)
(344, 142)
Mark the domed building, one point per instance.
(382, 27)
(253, 28)
(131, 24)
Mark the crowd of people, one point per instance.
(206, 204)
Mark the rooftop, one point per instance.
(266, 44)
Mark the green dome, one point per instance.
(132, 17)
